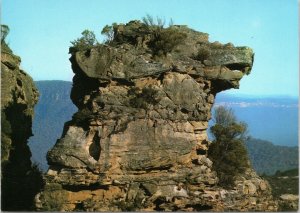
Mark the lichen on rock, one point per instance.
(138, 140)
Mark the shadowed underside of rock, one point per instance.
(138, 141)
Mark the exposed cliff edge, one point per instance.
(139, 141)
(20, 181)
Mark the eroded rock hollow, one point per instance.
(138, 140)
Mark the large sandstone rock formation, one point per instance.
(138, 140)
(19, 180)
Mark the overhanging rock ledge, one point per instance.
(138, 140)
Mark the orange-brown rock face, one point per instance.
(138, 141)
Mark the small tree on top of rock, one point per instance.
(4, 32)
(164, 41)
(85, 42)
(109, 32)
(228, 153)
(149, 21)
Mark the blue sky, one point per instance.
(41, 31)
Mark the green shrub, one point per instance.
(151, 33)
(149, 21)
(228, 153)
(54, 197)
(85, 42)
(159, 39)
(165, 40)
(202, 54)
(109, 32)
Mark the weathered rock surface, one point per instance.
(19, 181)
(289, 202)
(138, 141)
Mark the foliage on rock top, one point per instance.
(4, 32)
(147, 34)
(109, 32)
(166, 40)
(202, 54)
(85, 42)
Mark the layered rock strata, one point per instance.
(138, 140)
(19, 180)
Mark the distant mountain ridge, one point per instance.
(267, 158)
(55, 108)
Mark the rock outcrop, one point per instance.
(20, 181)
(138, 140)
